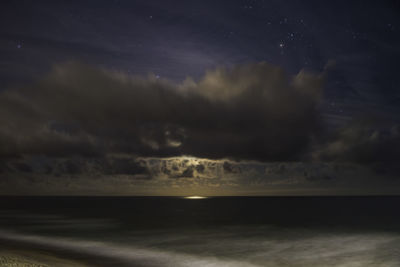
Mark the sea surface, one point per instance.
(216, 231)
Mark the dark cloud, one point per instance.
(126, 166)
(253, 111)
(186, 173)
(121, 174)
(200, 168)
(363, 141)
(231, 168)
(76, 166)
(22, 167)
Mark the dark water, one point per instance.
(220, 231)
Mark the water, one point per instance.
(221, 231)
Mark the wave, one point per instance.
(244, 247)
(112, 253)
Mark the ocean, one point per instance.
(216, 231)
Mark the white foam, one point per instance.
(228, 249)
(127, 254)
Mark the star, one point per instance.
(281, 45)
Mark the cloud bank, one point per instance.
(248, 129)
(253, 111)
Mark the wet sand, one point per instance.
(26, 254)
(24, 258)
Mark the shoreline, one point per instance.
(12, 257)
(14, 253)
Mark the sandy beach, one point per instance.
(39, 254)
(23, 258)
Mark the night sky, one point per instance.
(199, 97)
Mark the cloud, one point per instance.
(250, 129)
(363, 141)
(121, 174)
(252, 111)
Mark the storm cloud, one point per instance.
(251, 112)
(122, 175)
(367, 141)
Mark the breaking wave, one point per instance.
(344, 250)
